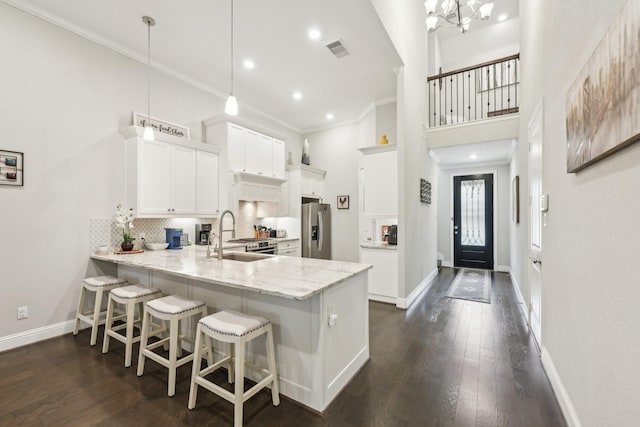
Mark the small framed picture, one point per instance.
(343, 202)
(11, 168)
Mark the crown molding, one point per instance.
(56, 20)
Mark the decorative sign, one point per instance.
(425, 191)
(161, 126)
(11, 168)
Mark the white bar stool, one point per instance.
(129, 296)
(237, 329)
(99, 285)
(172, 308)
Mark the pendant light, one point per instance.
(148, 134)
(231, 106)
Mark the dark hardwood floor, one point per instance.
(444, 362)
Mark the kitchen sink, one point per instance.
(244, 256)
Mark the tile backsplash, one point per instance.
(103, 231)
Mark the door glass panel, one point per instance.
(472, 213)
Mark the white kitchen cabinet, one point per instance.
(149, 180)
(289, 248)
(380, 180)
(383, 279)
(304, 181)
(207, 183)
(278, 156)
(250, 151)
(235, 147)
(312, 182)
(258, 155)
(162, 176)
(183, 180)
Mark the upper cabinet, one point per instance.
(170, 176)
(249, 151)
(379, 180)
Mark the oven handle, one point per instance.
(271, 251)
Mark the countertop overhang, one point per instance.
(288, 277)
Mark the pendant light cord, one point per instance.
(148, 73)
(232, 85)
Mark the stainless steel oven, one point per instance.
(262, 246)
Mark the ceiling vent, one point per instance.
(338, 49)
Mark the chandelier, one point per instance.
(456, 13)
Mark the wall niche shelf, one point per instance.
(382, 148)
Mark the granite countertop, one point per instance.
(378, 245)
(287, 277)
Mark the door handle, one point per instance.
(537, 261)
(321, 231)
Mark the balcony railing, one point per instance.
(475, 93)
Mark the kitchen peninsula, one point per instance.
(319, 309)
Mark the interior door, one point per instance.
(473, 221)
(535, 224)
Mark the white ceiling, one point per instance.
(493, 152)
(192, 41)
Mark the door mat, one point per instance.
(472, 285)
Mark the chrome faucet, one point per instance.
(220, 231)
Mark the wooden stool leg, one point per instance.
(144, 336)
(230, 371)
(271, 357)
(209, 345)
(173, 353)
(195, 370)
(96, 317)
(131, 312)
(83, 290)
(239, 386)
(107, 325)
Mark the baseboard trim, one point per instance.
(382, 298)
(521, 301)
(34, 335)
(568, 410)
(503, 268)
(426, 283)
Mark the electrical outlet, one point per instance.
(23, 312)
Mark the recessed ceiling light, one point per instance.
(329, 116)
(314, 34)
(502, 17)
(249, 64)
(473, 156)
(297, 95)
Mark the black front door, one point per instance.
(473, 221)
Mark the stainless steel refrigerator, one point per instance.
(316, 230)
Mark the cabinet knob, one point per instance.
(168, 209)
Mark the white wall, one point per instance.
(480, 45)
(63, 101)
(502, 214)
(335, 150)
(590, 294)
(417, 231)
(387, 122)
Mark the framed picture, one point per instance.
(161, 126)
(11, 168)
(343, 202)
(515, 199)
(602, 103)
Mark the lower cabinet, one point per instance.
(289, 248)
(383, 277)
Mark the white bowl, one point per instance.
(156, 246)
